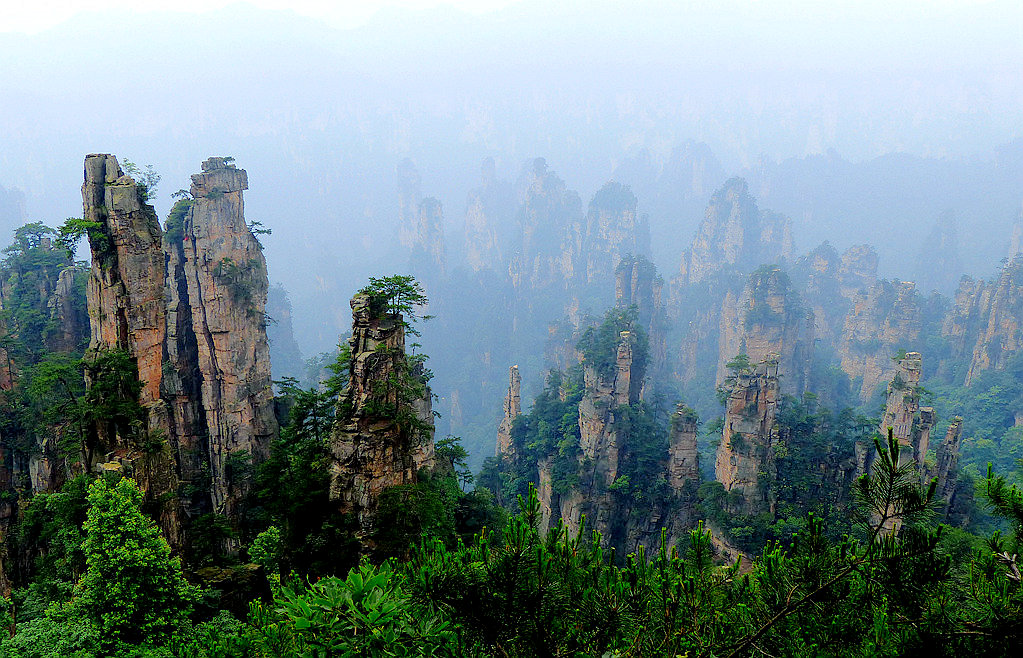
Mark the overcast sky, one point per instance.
(38, 15)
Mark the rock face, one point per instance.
(598, 435)
(1001, 321)
(638, 284)
(489, 216)
(734, 232)
(189, 308)
(372, 450)
(769, 320)
(910, 423)
(613, 231)
(217, 286)
(429, 258)
(745, 455)
(880, 322)
(125, 290)
(127, 311)
(512, 409)
(285, 356)
(947, 459)
(683, 459)
(829, 283)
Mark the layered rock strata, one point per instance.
(188, 307)
(909, 422)
(375, 443)
(768, 320)
(512, 409)
(745, 458)
(683, 459)
(881, 321)
(735, 232)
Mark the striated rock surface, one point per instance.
(370, 449)
(910, 423)
(745, 456)
(947, 459)
(613, 232)
(735, 232)
(683, 459)
(429, 256)
(768, 320)
(512, 409)
(880, 322)
(1000, 311)
(188, 306)
(217, 292)
(638, 284)
(489, 215)
(547, 246)
(125, 288)
(829, 282)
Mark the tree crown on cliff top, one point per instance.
(398, 294)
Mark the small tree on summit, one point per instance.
(400, 294)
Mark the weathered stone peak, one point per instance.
(683, 458)
(218, 176)
(370, 449)
(735, 233)
(512, 409)
(769, 318)
(910, 423)
(947, 459)
(745, 455)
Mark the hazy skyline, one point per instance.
(862, 120)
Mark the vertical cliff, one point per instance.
(745, 458)
(188, 307)
(735, 232)
(683, 459)
(881, 321)
(220, 388)
(549, 232)
(947, 459)
(638, 284)
(1001, 321)
(829, 282)
(768, 318)
(125, 288)
(429, 253)
(512, 409)
(383, 430)
(910, 423)
(489, 219)
(613, 231)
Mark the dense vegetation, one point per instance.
(461, 570)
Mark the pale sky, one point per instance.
(37, 15)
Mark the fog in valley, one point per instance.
(891, 124)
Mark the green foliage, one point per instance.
(599, 344)
(367, 614)
(737, 367)
(132, 591)
(399, 294)
(240, 279)
(315, 539)
(145, 178)
(74, 228)
(174, 228)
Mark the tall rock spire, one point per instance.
(380, 438)
(512, 408)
